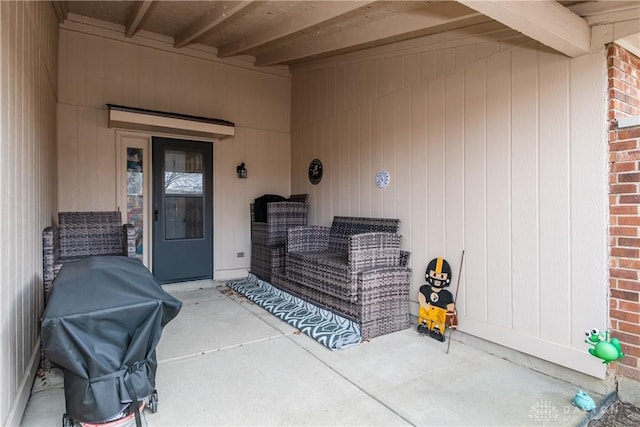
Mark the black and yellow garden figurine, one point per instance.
(437, 305)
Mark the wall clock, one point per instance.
(383, 178)
(315, 171)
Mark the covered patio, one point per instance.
(243, 366)
(509, 130)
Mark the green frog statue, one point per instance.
(606, 348)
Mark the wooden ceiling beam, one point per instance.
(210, 21)
(308, 18)
(136, 18)
(60, 8)
(394, 28)
(546, 21)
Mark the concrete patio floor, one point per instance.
(226, 361)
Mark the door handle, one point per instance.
(155, 215)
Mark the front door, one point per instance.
(182, 210)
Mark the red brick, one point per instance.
(618, 145)
(629, 327)
(629, 198)
(629, 242)
(623, 189)
(628, 361)
(624, 106)
(629, 263)
(613, 178)
(623, 92)
(626, 156)
(624, 152)
(620, 230)
(625, 252)
(623, 274)
(628, 177)
(630, 350)
(628, 220)
(633, 307)
(629, 372)
(613, 60)
(612, 124)
(623, 231)
(621, 167)
(625, 316)
(624, 210)
(626, 296)
(628, 338)
(628, 285)
(612, 157)
(621, 87)
(615, 104)
(614, 324)
(628, 133)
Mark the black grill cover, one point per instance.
(103, 321)
(260, 206)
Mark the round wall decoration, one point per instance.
(315, 171)
(383, 178)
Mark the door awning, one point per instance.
(172, 123)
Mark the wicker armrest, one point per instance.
(50, 256)
(372, 250)
(308, 238)
(280, 217)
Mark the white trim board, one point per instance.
(153, 121)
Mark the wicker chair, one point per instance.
(79, 235)
(355, 268)
(82, 234)
(268, 239)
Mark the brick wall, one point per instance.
(624, 202)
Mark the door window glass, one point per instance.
(183, 194)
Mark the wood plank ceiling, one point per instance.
(290, 32)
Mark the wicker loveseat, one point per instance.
(355, 268)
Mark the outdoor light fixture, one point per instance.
(241, 170)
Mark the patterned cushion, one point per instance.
(342, 227)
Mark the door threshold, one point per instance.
(191, 285)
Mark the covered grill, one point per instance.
(102, 323)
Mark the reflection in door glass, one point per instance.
(182, 183)
(183, 218)
(135, 195)
(183, 189)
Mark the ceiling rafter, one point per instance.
(209, 22)
(393, 28)
(282, 32)
(60, 9)
(308, 19)
(136, 17)
(544, 20)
